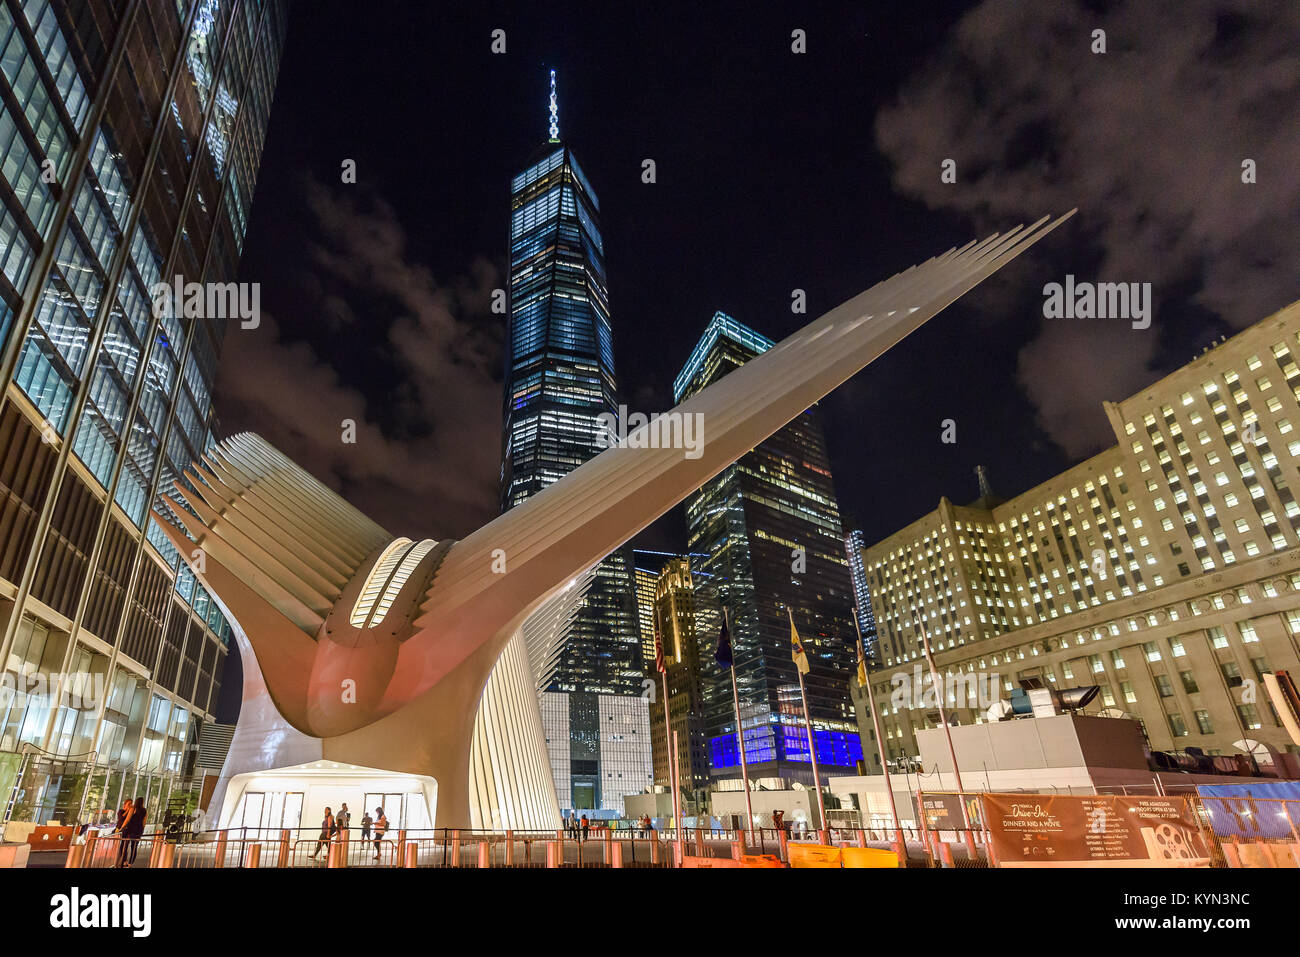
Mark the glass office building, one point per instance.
(130, 138)
(854, 543)
(559, 379)
(768, 527)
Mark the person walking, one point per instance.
(366, 821)
(326, 832)
(381, 827)
(133, 830)
(586, 828)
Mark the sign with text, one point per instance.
(1039, 830)
(942, 810)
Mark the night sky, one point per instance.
(776, 171)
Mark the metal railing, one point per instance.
(1238, 831)
(1250, 831)
(306, 848)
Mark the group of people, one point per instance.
(129, 828)
(578, 829)
(333, 825)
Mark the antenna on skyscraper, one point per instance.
(555, 113)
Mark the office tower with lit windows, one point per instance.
(131, 136)
(645, 612)
(676, 617)
(559, 380)
(647, 565)
(769, 529)
(1165, 569)
(599, 750)
(853, 545)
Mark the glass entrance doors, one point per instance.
(272, 810)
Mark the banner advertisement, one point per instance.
(1036, 830)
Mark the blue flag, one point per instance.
(723, 654)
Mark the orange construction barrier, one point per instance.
(868, 857)
(815, 855)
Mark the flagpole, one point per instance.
(740, 735)
(880, 743)
(681, 844)
(947, 730)
(670, 744)
(812, 743)
(672, 757)
(676, 782)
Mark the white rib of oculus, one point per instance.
(328, 599)
(386, 579)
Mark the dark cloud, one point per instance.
(1147, 140)
(427, 454)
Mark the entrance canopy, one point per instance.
(296, 797)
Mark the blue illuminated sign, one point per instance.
(840, 749)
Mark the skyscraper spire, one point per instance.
(555, 113)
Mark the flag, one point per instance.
(796, 651)
(723, 654)
(659, 651)
(862, 666)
